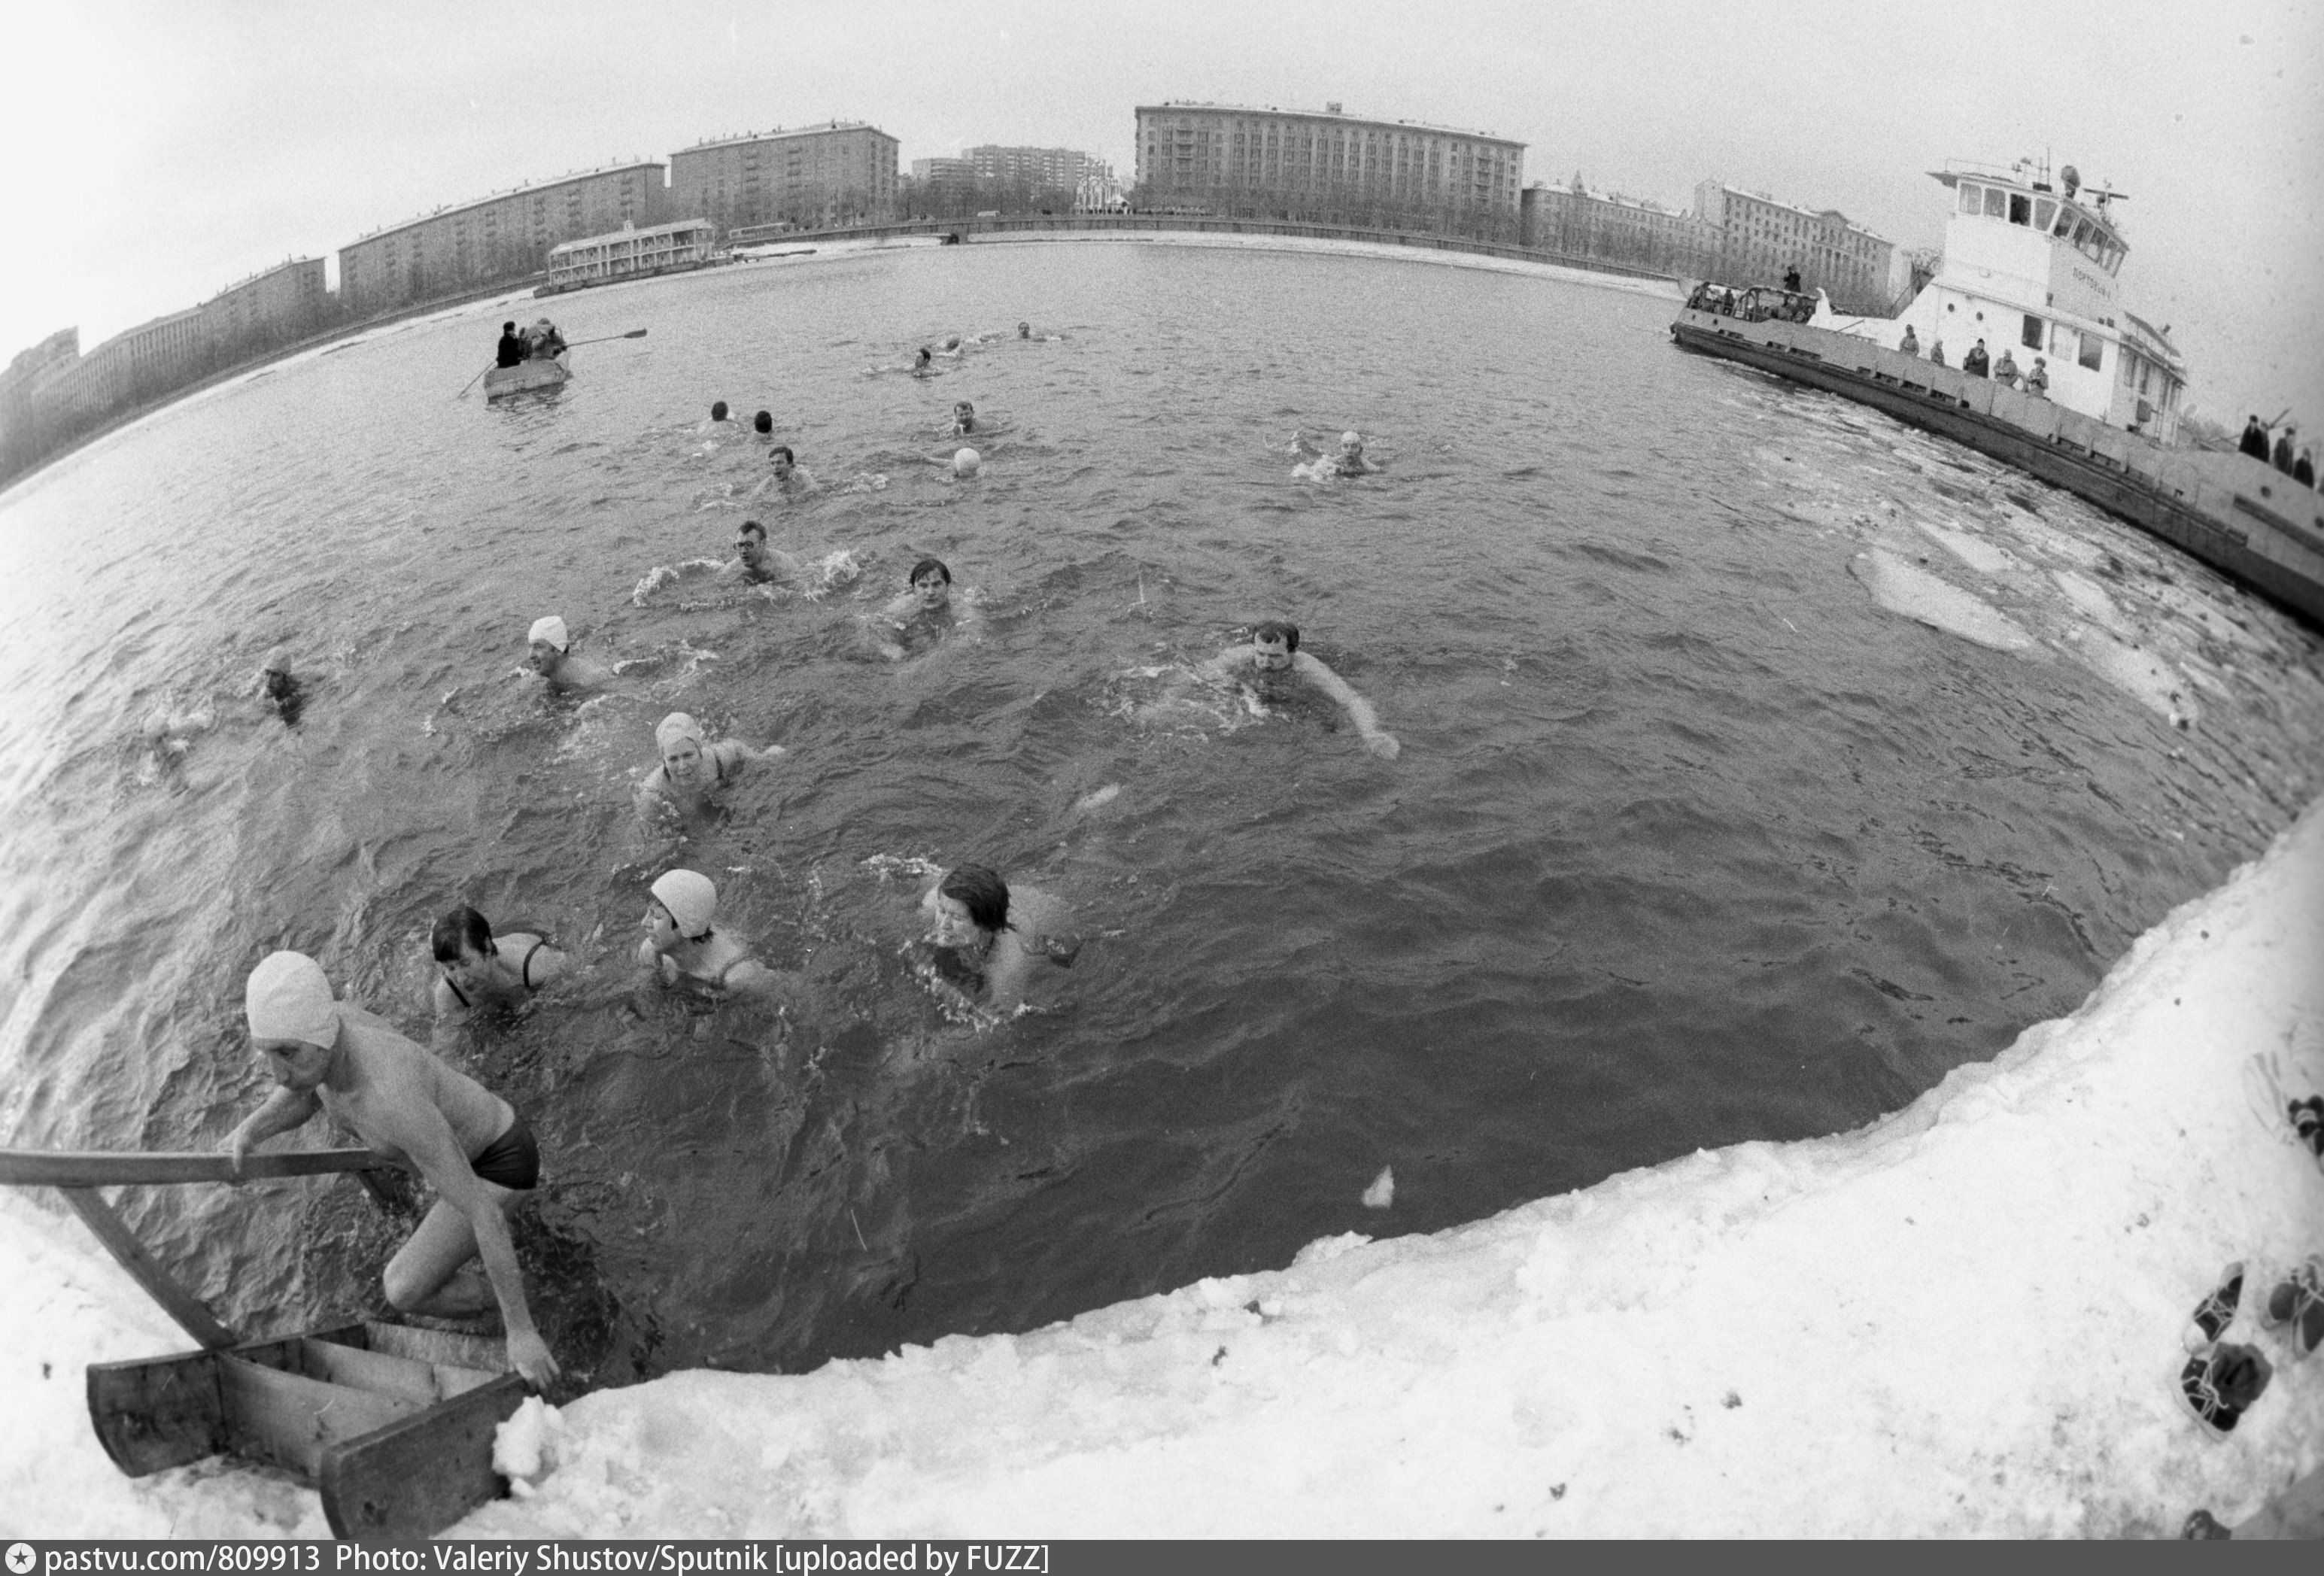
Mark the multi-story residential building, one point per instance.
(1327, 165)
(139, 363)
(1036, 168)
(285, 302)
(948, 170)
(1607, 227)
(504, 236)
(842, 172)
(1759, 239)
(25, 421)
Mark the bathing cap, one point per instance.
(288, 998)
(278, 660)
(965, 462)
(1355, 438)
(552, 630)
(675, 726)
(691, 898)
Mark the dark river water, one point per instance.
(1696, 836)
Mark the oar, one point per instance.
(471, 383)
(602, 339)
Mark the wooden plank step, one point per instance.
(445, 1348)
(287, 1418)
(416, 1476)
(383, 1373)
(156, 1414)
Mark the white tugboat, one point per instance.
(2070, 386)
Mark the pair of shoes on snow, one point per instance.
(2220, 1384)
(2220, 1378)
(2296, 1302)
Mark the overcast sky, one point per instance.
(168, 148)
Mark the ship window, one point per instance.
(2032, 337)
(1997, 202)
(2020, 208)
(2065, 221)
(1970, 199)
(2093, 352)
(2046, 210)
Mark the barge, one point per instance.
(2033, 270)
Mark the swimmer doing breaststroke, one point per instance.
(990, 936)
(1274, 649)
(684, 946)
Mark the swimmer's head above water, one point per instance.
(1274, 643)
(1024, 330)
(931, 582)
(463, 948)
(963, 416)
(763, 423)
(546, 643)
(682, 907)
(682, 744)
(750, 544)
(968, 902)
(718, 410)
(783, 459)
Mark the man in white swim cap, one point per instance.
(683, 944)
(549, 651)
(470, 1144)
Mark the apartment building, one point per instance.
(1759, 239)
(1224, 157)
(504, 236)
(1607, 227)
(282, 303)
(841, 172)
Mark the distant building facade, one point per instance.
(504, 236)
(288, 301)
(1606, 228)
(1329, 166)
(1039, 168)
(1759, 239)
(24, 397)
(842, 172)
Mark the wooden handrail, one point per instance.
(106, 1167)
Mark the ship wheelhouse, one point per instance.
(2034, 270)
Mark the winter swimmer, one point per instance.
(279, 687)
(754, 562)
(921, 615)
(683, 944)
(469, 1143)
(694, 771)
(479, 974)
(988, 936)
(1348, 460)
(1273, 655)
(549, 651)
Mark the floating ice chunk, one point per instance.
(2143, 674)
(1381, 1193)
(2091, 598)
(1097, 799)
(1979, 554)
(1900, 587)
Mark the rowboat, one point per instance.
(527, 375)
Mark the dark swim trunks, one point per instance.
(512, 1160)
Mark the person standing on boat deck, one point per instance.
(988, 936)
(1792, 279)
(683, 945)
(2303, 469)
(1274, 649)
(2037, 382)
(2005, 371)
(1976, 363)
(2283, 451)
(694, 771)
(1936, 353)
(549, 651)
(511, 347)
(469, 1143)
(2255, 443)
(478, 972)
(1911, 344)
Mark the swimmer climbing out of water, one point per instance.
(1274, 649)
(694, 771)
(478, 972)
(683, 944)
(989, 936)
(549, 651)
(469, 1143)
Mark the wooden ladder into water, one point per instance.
(393, 1425)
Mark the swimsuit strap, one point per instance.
(524, 969)
(458, 994)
